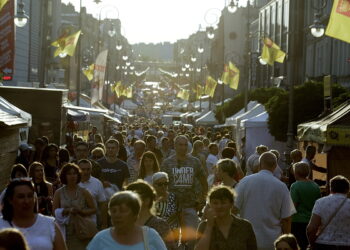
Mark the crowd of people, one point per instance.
(150, 186)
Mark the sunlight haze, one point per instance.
(155, 20)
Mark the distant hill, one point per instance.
(154, 52)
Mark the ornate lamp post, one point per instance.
(21, 18)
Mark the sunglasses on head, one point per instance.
(160, 184)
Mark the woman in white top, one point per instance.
(149, 165)
(19, 211)
(329, 226)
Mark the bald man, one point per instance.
(265, 201)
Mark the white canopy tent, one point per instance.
(257, 133)
(230, 121)
(238, 131)
(207, 119)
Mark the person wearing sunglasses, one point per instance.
(166, 203)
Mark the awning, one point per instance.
(78, 115)
(114, 119)
(333, 129)
(10, 115)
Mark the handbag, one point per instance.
(84, 228)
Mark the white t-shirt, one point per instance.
(337, 231)
(40, 236)
(264, 200)
(95, 187)
(210, 162)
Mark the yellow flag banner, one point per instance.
(89, 72)
(271, 52)
(339, 21)
(199, 90)
(2, 3)
(128, 92)
(210, 86)
(66, 44)
(232, 76)
(183, 94)
(114, 86)
(225, 74)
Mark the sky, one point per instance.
(154, 21)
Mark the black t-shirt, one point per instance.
(115, 172)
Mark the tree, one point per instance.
(308, 105)
(261, 95)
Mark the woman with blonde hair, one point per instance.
(42, 187)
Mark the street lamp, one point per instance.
(317, 28)
(21, 18)
(232, 7)
(262, 61)
(210, 32)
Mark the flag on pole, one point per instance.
(210, 86)
(199, 90)
(230, 76)
(2, 3)
(339, 22)
(99, 77)
(225, 74)
(183, 94)
(128, 92)
(66, 44)
(271, 52)
(89, 72)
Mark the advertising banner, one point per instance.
(7, 39)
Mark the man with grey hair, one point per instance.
(187, 180)
(265, 201)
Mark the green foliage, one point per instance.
(308, 105)
(261, 95)
(341, 99)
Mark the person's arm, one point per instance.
(49, 189)
(56, 201)
(104, 214)
(312, 228)
(204, 235)
(59, 243)
(286, 224)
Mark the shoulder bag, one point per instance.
(84, 228)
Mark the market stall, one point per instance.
(331, 136)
